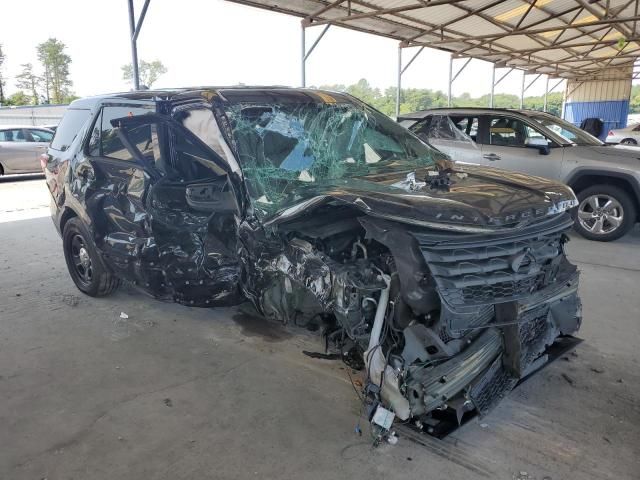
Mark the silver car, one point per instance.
(21, 147)
(606, 179)
(626, 136)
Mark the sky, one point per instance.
(213, 42)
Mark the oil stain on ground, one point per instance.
(253, 325)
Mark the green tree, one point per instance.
(149, 72)
(414, 99)
(634, 101)
(18, 98)
(56, 69)
(29, 81)
(2, 57)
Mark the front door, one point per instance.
(165, 213)
(509, 144)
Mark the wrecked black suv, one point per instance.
(447, 282)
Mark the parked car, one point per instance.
(448, 282)
(605, 179)
(51, 126)
(21, 147)
(625, 136)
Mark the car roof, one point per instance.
(232, 94)
(11, 127)
(453, 110)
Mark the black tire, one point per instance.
(1, 170)
(628, 141)
(629, 212)
(85, 266)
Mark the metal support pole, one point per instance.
(141, 19)
(324, 30)
(134, 47)
(303, 58)
(546, 92)
(305, 53)
(524, 76)
(399, 81)
(493, 84)
(450, 80)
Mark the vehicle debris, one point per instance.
(444, 283)
(569, 379)
(124, 316)
(322, 356)
(70, 300)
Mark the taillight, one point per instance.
(610, 134)
(44, 159)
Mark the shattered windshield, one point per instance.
(569, 132)
(285, 147)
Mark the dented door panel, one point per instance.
(165, 220)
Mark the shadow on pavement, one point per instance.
(21, 178)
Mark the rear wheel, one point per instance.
(85, 266)
(628, 141)
(605, 213)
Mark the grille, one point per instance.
(444, 334)
(496, 291)
(481, 270)
(534, 332)
(492, 386)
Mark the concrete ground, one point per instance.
(182, 393)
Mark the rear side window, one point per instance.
(104, 138)
(16, 135)
(71, 124)
(444, 127)
(422, 126)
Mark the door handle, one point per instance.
(492, 157)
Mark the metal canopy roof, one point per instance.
(561, 38)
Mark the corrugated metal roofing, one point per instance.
(563, 38)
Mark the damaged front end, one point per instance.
(446, 284)
(445, 324)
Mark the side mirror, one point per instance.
(542, 144)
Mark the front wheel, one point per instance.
(605, 213)
(628, 141)
(85, 266)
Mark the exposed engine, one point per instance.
(445, 324)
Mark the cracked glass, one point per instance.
(286, 149)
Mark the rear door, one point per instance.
(16, 153)
(166, 214)
(64, 146)
(505, 145)
(112, 184)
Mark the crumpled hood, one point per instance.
(478, 199)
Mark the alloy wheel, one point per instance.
(600, 214)
(81, 259)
